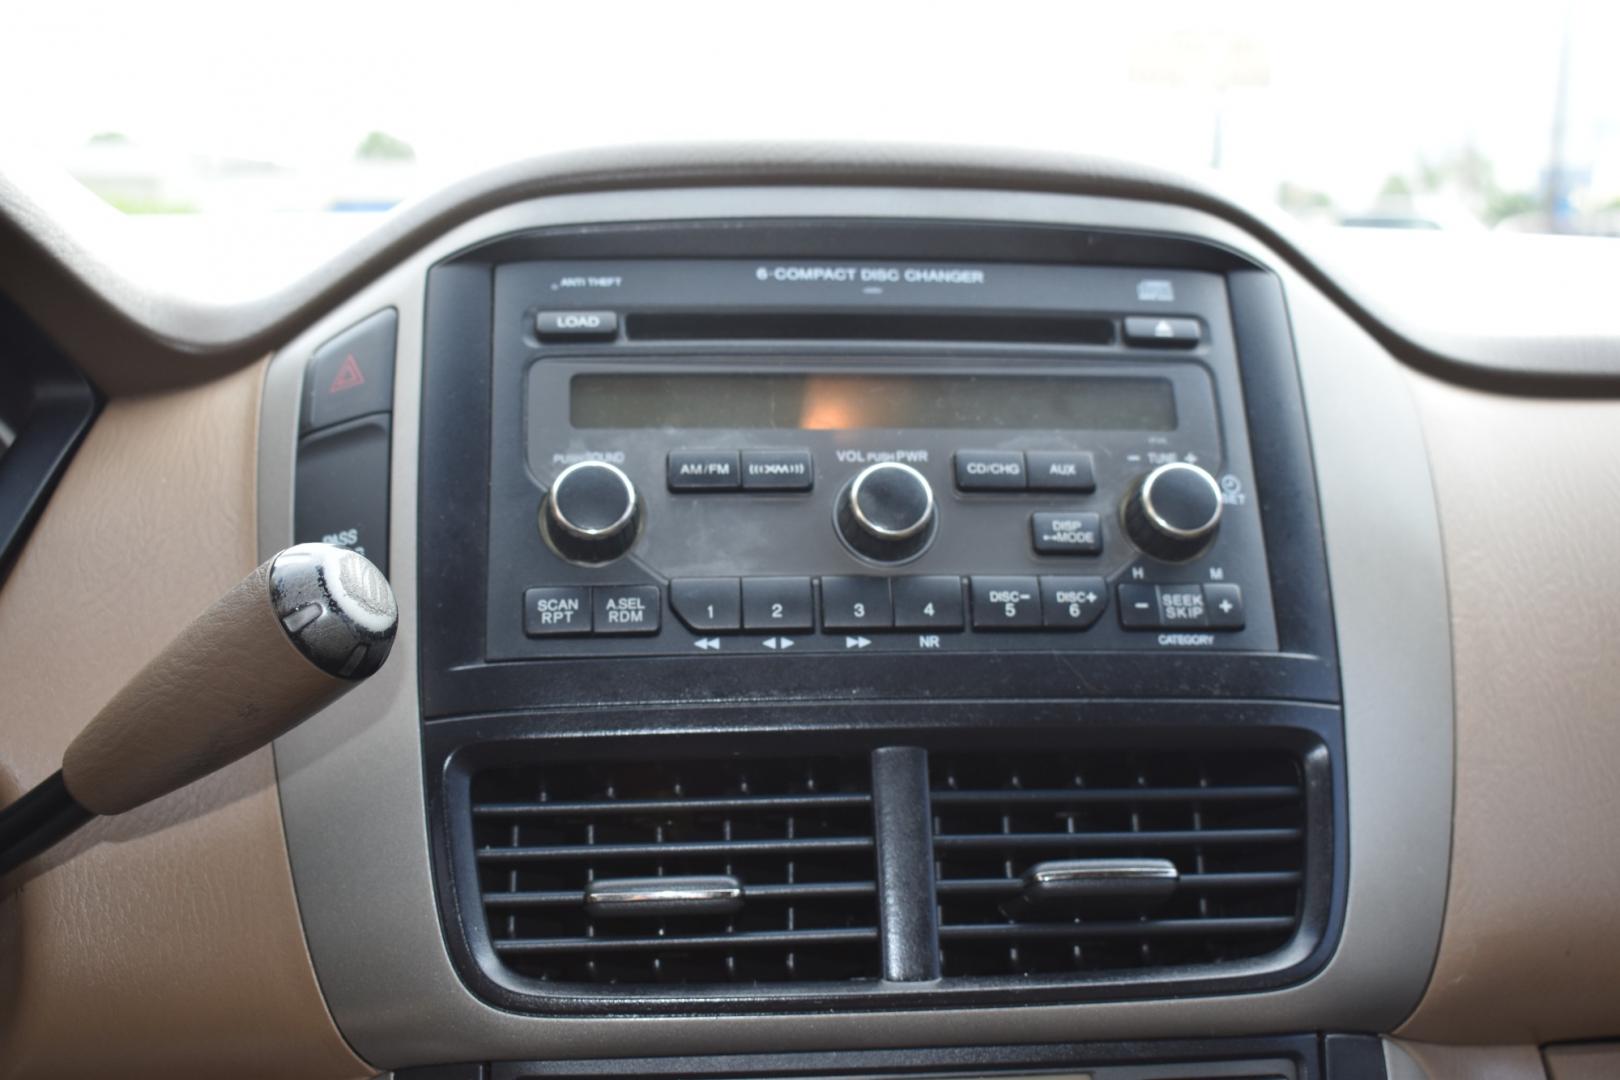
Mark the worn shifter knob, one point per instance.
(293, 636)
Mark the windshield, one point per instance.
(1414, 116)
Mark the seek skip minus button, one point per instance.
(576, 325)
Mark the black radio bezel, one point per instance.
(455, 446)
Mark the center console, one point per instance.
(891, 624)
(898, 629)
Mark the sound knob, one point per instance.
(1173, 512)
(887, 512)
(592, 513)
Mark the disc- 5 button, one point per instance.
(1005, 603)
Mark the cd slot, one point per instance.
(1021, 328)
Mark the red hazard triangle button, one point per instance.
(348, 376)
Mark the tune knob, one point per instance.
(887, 512)
(592, 513)
(1173, 512)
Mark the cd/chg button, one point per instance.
(990, 470)
(1006, 603)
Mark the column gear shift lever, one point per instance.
(299, 632)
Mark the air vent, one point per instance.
(680, 872)
(1178, 859)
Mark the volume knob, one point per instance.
(1173, 512)
(887, 512)
(592, 512)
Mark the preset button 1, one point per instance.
(708, 605)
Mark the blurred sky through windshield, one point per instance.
(1376, 113)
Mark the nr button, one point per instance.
(928, 602)
(353, 374)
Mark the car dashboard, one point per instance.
(860, 614)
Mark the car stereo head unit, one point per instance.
(719, 457)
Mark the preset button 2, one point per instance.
(777, 603)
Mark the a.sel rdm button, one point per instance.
(1005, 603)
(626, 609)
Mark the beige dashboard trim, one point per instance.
(1529, 500)
(165, 942)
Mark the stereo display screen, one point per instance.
(811, 402)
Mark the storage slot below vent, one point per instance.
(1233, 825)
(796, 837)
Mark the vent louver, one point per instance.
(1232, 824)
(779, 854)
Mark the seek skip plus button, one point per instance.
(626, 609)
(556, 612)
